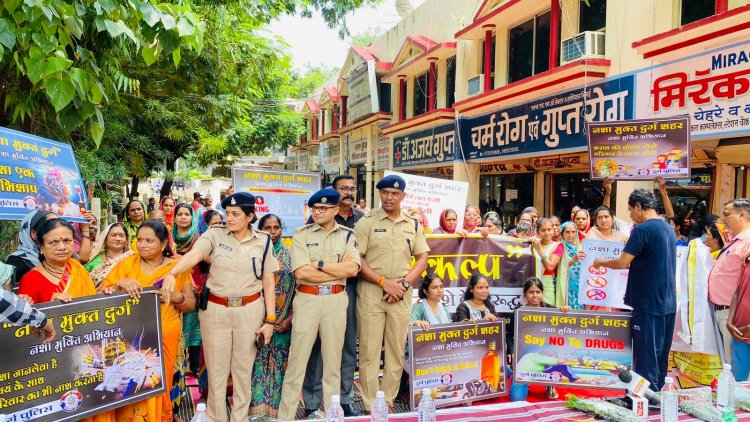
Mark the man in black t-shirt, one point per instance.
(651, 291)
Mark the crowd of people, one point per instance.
(284, 322)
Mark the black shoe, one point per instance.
(350, 410)
(309, 412)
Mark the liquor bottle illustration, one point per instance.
(490, 369)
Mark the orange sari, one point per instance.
(158, 408)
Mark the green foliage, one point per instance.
(363, 39)
(313, 78)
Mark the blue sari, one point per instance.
(568, 275)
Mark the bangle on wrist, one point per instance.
(182, 302)
(271, 318)
(380, 280)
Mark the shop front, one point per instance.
(426, 151)
(330, 157)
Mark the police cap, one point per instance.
(325, 196)
(238, 199)
(392, 181)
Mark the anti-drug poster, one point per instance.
(460, 363)
(506, 262)
(107, 353)
(284, 193)
(431, 196)
(640, 149)
(573, 349)
(38, 174)
(602, 286)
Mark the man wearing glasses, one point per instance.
(312, 389)
(324, 255)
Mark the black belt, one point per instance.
(721, 307)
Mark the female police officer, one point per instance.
(241, 266)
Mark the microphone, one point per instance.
(637, 385)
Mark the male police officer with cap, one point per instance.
(387, 240)
(324, 254)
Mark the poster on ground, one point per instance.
(602, 286)
(506, 262)
(460, 363)
(107, 353)
(431, 196)
(284, 193)
(39, 174)
(640, 149)
(573, 349)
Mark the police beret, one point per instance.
(238, 199)
(392, 181)
(324, 196)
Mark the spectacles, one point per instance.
(345, 189)
(320, 209)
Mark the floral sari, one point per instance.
(568, 275)
(158, 408)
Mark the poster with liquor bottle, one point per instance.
(572, 349)
(460, 363)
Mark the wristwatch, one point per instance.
(404, 282)
(320, 265)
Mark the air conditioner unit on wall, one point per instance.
(475, 85)
(586, 44)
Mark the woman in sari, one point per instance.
(145, 269)
(134, 216)
(569, 269)
(582, 220)
(271, 361)
(166, 205)
(112, 247)
(209, 219)
(473, 221)
(448, 223)
(550, 253)
(604, 227)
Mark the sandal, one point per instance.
(552, 393)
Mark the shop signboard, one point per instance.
(303, 160)
(383, 153)
(577, 348)
(552, 125)
(39, 174)
(713, 88)
(640, 149)
(284, 193)
(331, 155)
(357, 151)
(600, 286)
(460, 363)
(108, 353)
(428, 147)
(431, 196)
(359, 104)
(506, 262)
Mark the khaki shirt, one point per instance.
(232, 271)
(311, 243)
(388, 245)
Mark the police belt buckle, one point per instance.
(325, 290)
(234, 302)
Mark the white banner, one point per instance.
(602, 286)
(431, 196)
(358, 151)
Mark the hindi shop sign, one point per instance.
(551, 125)
(284, 193)
(107, 353)
(358, 151)
(431, 196)
(425, 148)
(38, 174)
(506, 262)
(713, 88)
(602, 286)
(461, 363)
(577, 348)
(640, 149)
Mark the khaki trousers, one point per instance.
(377, 321)
(726, 338)
(229, 346)
(313, 315)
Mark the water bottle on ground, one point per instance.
(379, 409)
(200, 413)
(725, 391)
(335, 412)
(426, 409)
(668, 401)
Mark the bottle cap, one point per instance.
(335, 398)
(201, 407)
(426, 392)
(668, 380)
(728, 366)
(380, 395)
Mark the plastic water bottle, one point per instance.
(379, 409)
(335, 412)
(725, 390)
(426, 409)
(200, 413)
(668, 401)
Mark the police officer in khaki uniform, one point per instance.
(324, 255)
(387, 240)
(242, 267)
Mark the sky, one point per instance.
(311, 41)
